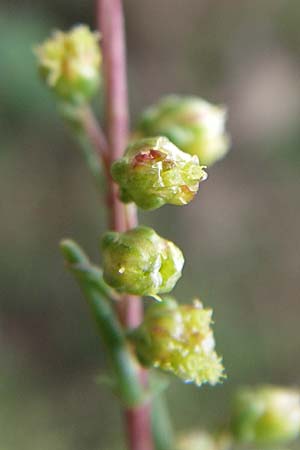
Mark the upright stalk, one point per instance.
(110, 20)
(111, 25)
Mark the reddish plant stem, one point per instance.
(138, 430)
(113, 47)
(111, 24)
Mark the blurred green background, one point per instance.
(240, 236)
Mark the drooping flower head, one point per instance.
(69, 63)
(154, 172)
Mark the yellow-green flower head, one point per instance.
(154, 172)
(140, 262)
(196, 440)
(266, 415)
(70, 63)
(194, 125)
(178, 338)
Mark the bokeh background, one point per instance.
(240, 236)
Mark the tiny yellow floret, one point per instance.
(179, 339)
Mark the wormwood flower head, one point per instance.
(154, 172)
(197, 440)
(69, 63)
(140, 262)
(178, 338)
(194, 125)
(266, 415)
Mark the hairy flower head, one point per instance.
(179, 339)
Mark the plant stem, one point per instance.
(113, 47)
(96, 136)
(161, 425)
(91, 159)
(97, 294)
(111, 25)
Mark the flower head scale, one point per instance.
(178, 338)
(154, 172)
(194, 125)
(69, 62)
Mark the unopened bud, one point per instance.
(194, 125)
(266, 415)
(140, 262)
(178, 338)
(69, 63)
(154, 172)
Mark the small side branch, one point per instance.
(97, 293)
(95, 135)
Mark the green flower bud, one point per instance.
(178, 338)
(140, 262)
(194, 125)
(154, 172)
(70, 62)
(266, 415)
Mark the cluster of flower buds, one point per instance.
(194, 125)
(140, 262)
(178, 339)
(154, 172)
(70, 62)
(266, 415)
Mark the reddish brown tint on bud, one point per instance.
(154, 172)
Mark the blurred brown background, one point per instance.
(240, 236)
